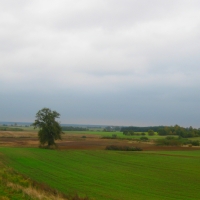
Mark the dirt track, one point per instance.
(75, 141)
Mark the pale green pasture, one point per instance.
(110, 134)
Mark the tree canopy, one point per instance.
(49, 129)
(180, 131)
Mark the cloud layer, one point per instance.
(105, 62)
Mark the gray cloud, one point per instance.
(120, 62)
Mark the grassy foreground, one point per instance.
(106, 175)
(14, 186)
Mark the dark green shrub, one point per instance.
(194, 142)
(131, 132)
(122, 148)
(170, 141)
(170, 137)
(125, 132)
(143, 138)
(151, 132)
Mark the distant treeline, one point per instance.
(10, 129)
(111, 128)
(141, 129)
(165, 130)
(180, 131)
(71, 128)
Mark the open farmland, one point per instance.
(109, 175)
(86, 140)
(82, 165)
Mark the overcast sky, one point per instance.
(115, 62)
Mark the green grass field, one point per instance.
(109, 134)
(107, 175)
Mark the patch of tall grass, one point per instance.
(17, 186)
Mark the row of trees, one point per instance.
(163, 130)
(141, 129)
(180, 131)
(71, 128)
(131, 132)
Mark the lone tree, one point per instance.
(49, 129)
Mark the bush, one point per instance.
(194, 142)
(128, 133)
(185, 141)
(122, 148)
(170, 141)
(110, 137)
(144, 138)
(151, 132)
(170, 137)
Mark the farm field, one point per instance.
(104, 175)
(110, 134)
(79, 140)
(99, 133)
(82, 165)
